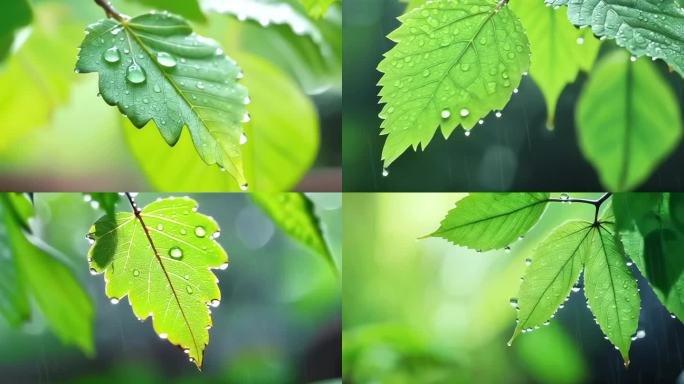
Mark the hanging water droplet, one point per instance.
(497, 114)
(467, 133)
(528, 261)
(507, 249)
(385, 172)
(112, 55)
(189, 289)
(246, 118)
(114, 300)
(247, 100)
(481, 122)
(633, 58)
(214, 303)
(640, 334)
(446, 114)
(514, 302)
(223, 266)
(93, 271)
(166, 60)
(244, 187)
(160, 227)
(135, 74)
(516, 90)
(465, 112)
(580, 40)
(136, 273)
(575, 288)
(629, 263)
(176, 253)
(243, 139)
(163, 336)
(564, 196)
(200, 231)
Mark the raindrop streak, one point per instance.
(112, 55)
(135, 74)
(200, 231)
(176, 253)
(166, 59)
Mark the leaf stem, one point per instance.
(110, 11)
(596, 203)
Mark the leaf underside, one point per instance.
(485, 221)
(170, 280)
(637, 125)
(455, 62)
(154, 68)
(654, 28)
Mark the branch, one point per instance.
(110, 11)
(596, 203)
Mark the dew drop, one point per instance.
(189, 289)
(640, 334)
(575, 288)
(564, 196)
(514, 302)
(114, 300)
(467, 133)
(163, 336)
(112, 55)
(176, 253)
(214, 303)
(385, 172)
(223, 266)
(160, 227)
(93, 271)
(200, 231)
(243, 139)
(507, 249)
(136, 273)
(446, 114)
(528, 261)
(497, 114)
(200, 85)
(183, 232)
(244, 187)
(246, 118)
(156, 88)
(465, 112)
(166, 60)
(633, 59)
(580, 40)
(135, 74)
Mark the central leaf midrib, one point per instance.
(168, 278)
(612, 283)
(179, 92)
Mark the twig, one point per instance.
(109, 10)
(596, 203)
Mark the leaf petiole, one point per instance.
(596, 203)
(109, 10)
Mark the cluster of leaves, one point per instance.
(157, 71)
(457, 61)
(159, 256)
(646, 230)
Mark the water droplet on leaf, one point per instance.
(176, 253)
(166, 60)
(135, 74)
(200, 231)
(112, 55)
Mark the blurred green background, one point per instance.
(279, 320)
(513, 153)
(57, 135)
(426, 311)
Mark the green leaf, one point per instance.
(42, 68)
(295, 214)
(555, 267)
(107, 201)
(611, 289)
(317, 8)
(559, 51)
(161, 260)
(634, 210)
(271, 165)
(14, 306)
(190, 9)
(153, 68)
(637, 126)
(454, 63)
(645, 27)
(486, 221)
(44, 277)
(15, 15)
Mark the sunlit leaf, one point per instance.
(162, 260)
(153, 68)
(485, 221)
(15, 15)
(317, 8)
(271, 164)
(611, 289)
(555, 267)
(14, 306)
(628, 120)
(559, 50)
(645, 27)
(42, 69)
(454, 63)
(295, 214)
